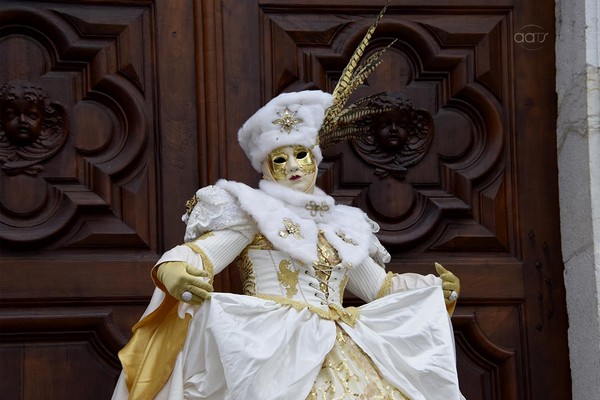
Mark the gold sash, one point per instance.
(149, 357)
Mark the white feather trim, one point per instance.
(346, 228)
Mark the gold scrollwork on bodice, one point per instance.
(328, 257)
(244, 264)
(287, 275)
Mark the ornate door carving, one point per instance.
(471, 197)
(152, 95)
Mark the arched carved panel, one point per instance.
(480, 360)
(98, 189)
(75, 349)
(455, 195)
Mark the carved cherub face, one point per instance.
(394, 138)
(390, 129)
(22, 120)
(33, 127)
(23, 111)
(293, 167)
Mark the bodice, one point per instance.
(272, 274)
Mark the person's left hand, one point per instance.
(450, 284)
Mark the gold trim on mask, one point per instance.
(278, 160)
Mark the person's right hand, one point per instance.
(179, 277)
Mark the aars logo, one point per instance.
(531, 37)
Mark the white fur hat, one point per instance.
(288, 119)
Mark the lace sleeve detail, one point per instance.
(214, 209)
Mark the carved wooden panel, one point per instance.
(450, 67)
(100, 185)
(79, 221)
(75, 346)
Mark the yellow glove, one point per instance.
(181, 278)
(450, 286)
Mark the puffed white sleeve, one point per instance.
(216, 209)
(217, 230)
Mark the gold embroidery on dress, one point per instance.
(315, 208)
(346, 238)
(386, 286)
(190, 204)
(247, 275)
(260, 242)
(327, 254)
(206, 263)
(291, 228)
(328, 257)
(246, 267)
(348, 373)
(288, 277)
(348, 315)
(343, 288)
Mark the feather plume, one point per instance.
(351, 124)
(338, 121)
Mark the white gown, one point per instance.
(290, 337)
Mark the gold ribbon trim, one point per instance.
(349, 315)
(386, 286)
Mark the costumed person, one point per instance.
(289, 336)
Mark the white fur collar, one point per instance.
(291, 220)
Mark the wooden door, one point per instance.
(151, 95)
(480, 197)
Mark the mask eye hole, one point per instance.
(301, 154)
(279, 160)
